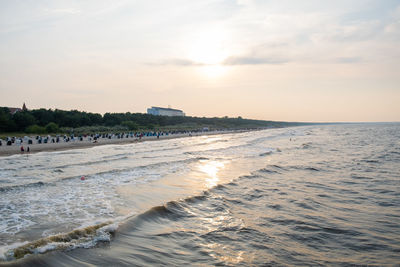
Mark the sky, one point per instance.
(286, 60)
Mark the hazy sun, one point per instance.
(209, 49)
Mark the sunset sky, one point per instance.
(309, 60)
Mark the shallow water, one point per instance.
(315, 195)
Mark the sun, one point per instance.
(209, 49)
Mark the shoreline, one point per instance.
(62, 146)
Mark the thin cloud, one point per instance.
(348, 60)
(177, 62)
(248, 60)
(62, 10)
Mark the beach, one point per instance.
(15, 148)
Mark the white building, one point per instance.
(165, 111)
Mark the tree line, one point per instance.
(52, 121)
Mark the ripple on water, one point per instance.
(307, 205)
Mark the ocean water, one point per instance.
(313, 195)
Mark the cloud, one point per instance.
(177, 62)
(62, 10)
(244, 2)
(229, 61)
(392, 28)
(349, 60)
(250, 60)
(356, 31)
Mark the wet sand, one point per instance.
(34, 148)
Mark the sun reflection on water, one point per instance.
(211, 169)
(225, 253)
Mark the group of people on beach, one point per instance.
(30, 140)
(23, 150)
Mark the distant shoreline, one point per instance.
(15, 149)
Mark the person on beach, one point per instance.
(22, 149)
(27, 149)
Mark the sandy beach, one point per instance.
(76, 144)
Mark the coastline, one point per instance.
(62, 146)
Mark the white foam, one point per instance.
(6, 252)
(103, 234)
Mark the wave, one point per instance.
(265, 153)
(361, 177)
(272, 169)
(14, 187)
(177, 147)
(171, 210)
(311, 169)
(306, 168)
(176, 209)
(266, 170)
(224, 149)
(275, 136)
(306, 145)
(79, 238)
(115, 171)
(88, 163)
(90, 236)
(60, 167)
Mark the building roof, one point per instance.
(14, 110)
(169, 109)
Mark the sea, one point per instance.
(317, 195)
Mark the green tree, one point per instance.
(6, 122)
(131, 125)
(23, 120)
(52, 127)
(36, 129)
(150, 126)
(43, 116)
